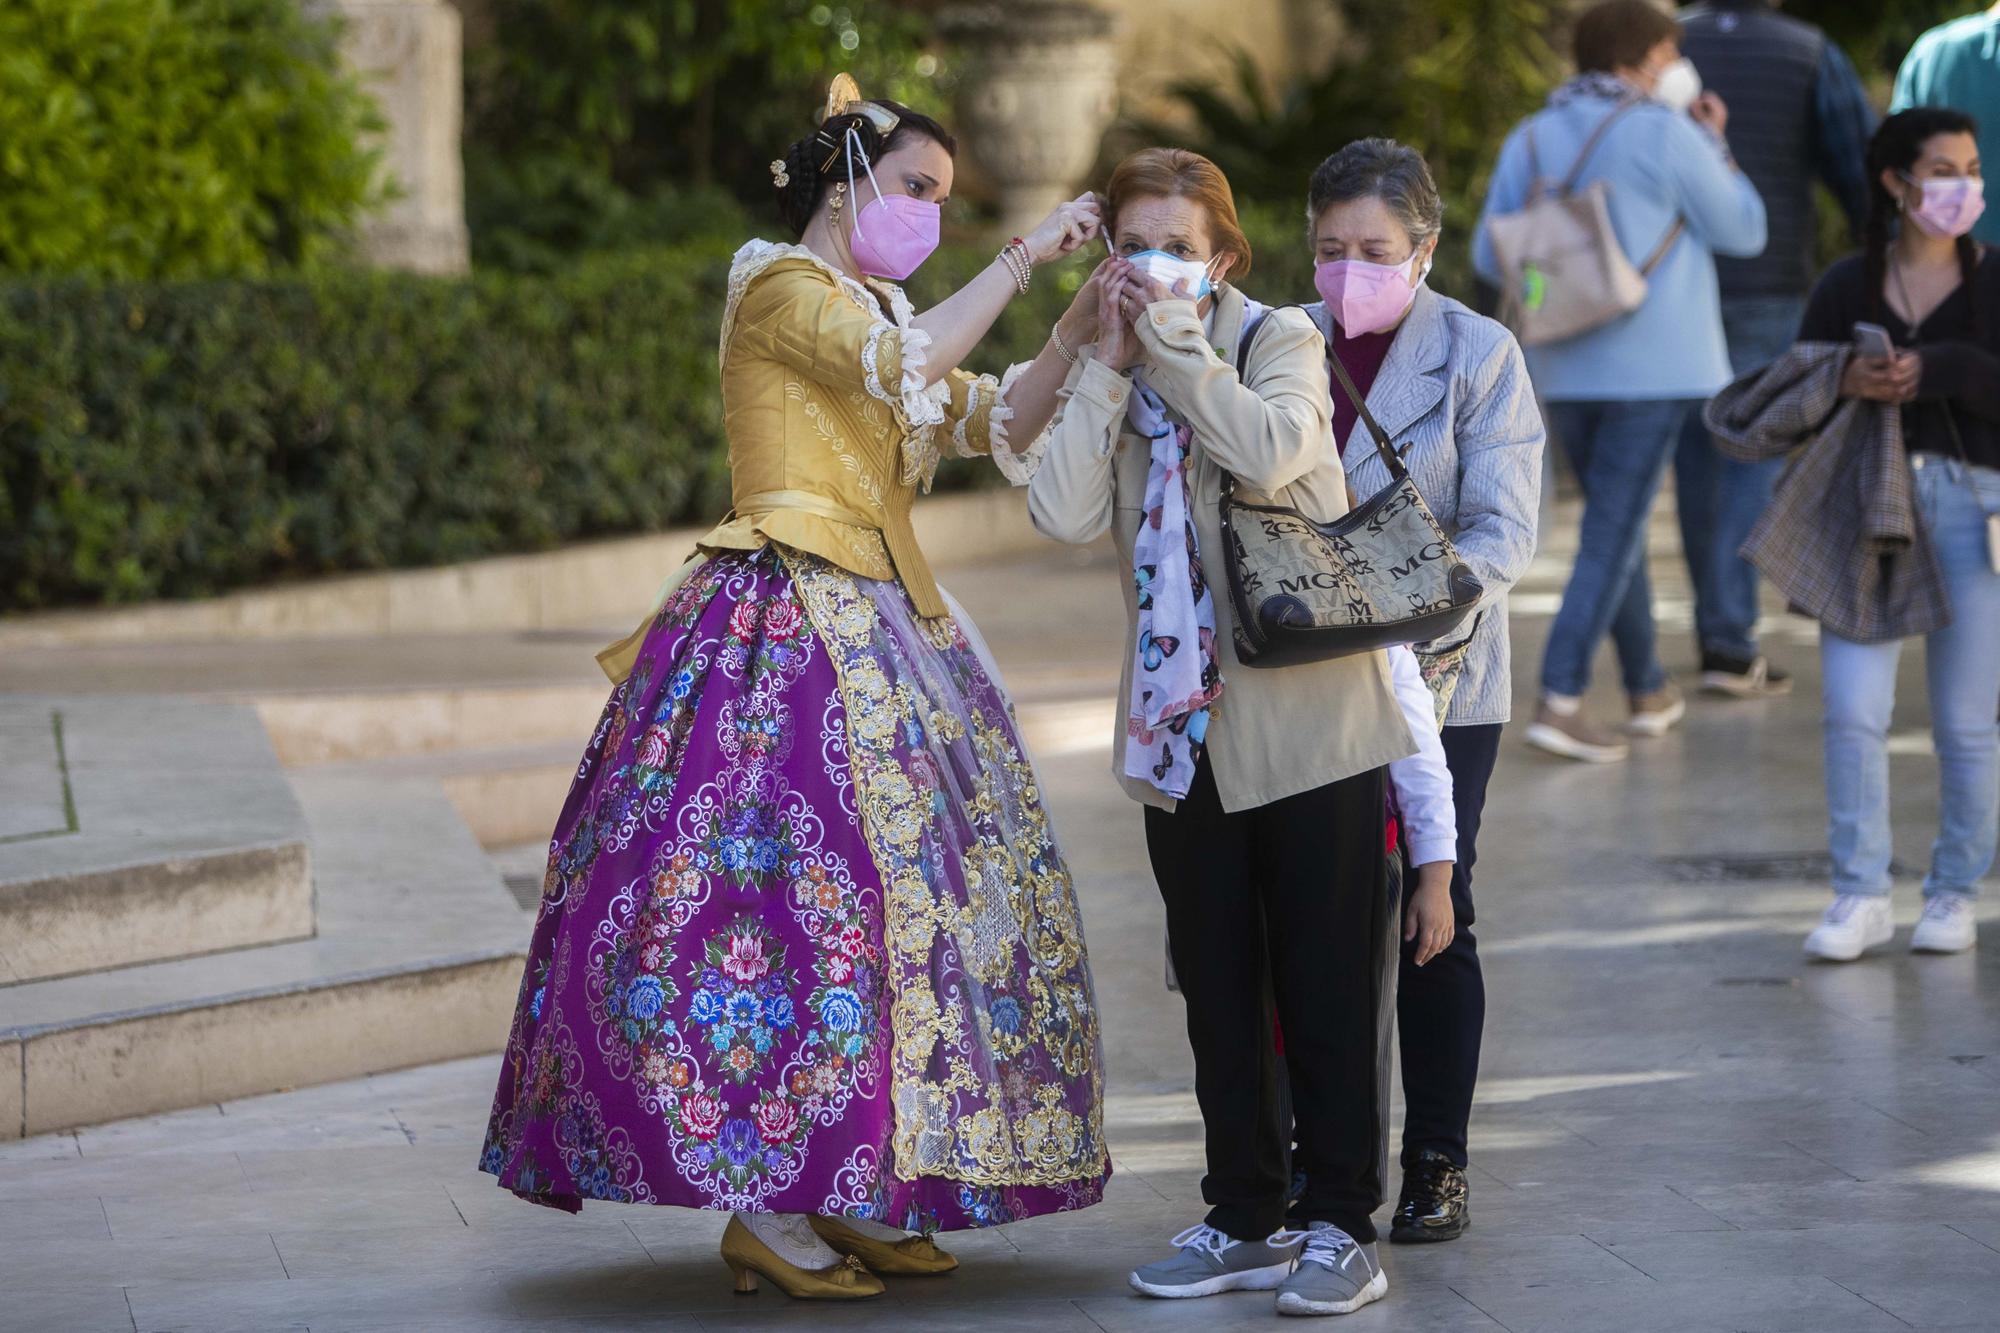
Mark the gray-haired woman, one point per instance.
(1450, 386)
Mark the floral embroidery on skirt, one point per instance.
(806, 942)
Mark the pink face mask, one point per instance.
(1364, 297)
(1951, 204)
(892, 233)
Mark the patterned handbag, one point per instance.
(1305, 591)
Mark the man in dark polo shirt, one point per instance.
(1797, 113)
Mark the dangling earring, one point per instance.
(839, 198)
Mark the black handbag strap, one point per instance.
(1375, 431)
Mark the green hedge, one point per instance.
(175, 138)
(176, 440)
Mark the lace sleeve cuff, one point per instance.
(1018, 468)
(973, 417)
(893, 361)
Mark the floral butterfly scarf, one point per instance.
(1175, 676)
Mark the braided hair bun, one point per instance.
(814, 163)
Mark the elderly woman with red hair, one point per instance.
(1263, 790)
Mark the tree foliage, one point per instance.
(178, 439)
(601, 122)
(1447, 77)
(1876, 35)
(170, 138)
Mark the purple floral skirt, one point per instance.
(806, 942)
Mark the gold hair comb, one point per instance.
(843, 98)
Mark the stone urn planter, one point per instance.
(1036, 93)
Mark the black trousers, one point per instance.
(1441, 1006)
(1282, 905)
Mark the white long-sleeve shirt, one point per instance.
(1422, 783)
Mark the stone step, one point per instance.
(587, 583)
(418, 958)
(360, 725)
(143, 830)
(332, 727)
(513, 794)
(504, 794)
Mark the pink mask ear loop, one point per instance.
(854, 147)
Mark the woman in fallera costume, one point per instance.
(807, 950)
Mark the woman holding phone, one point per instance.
(1934, 293)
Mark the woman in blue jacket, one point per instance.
(1616, 395)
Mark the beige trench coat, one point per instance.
(1275, 732)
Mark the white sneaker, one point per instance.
(1854, 924)
(1946, 925)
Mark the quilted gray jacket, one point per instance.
(1454, 389)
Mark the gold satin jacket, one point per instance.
(832, 429)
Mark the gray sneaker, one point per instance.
(1210, 1262)
(1335, 1274)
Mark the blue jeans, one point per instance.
(1619, 450)
(1962, 662)
(1720, 499)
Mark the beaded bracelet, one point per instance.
(1062, 348)
(1015, 257)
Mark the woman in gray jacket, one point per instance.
(1451, 387)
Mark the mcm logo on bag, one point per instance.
(1304, 590)
(1324, 580)
(1432, 551)
(1379, 520)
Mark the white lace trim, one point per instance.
(918, 410)
(919, 407)
(961, 437)
(792, 1239)
(750, 261)
(1018, 468)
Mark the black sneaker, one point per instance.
(1743, 677)
(1433, 1202)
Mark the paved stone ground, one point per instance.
(1681, 1125)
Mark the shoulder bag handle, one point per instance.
(1390, 459)
(1568, 185)
(1659, 254)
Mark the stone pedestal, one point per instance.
(1038, 91)
(407, 53)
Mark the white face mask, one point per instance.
(1168, 269)
(1678, 85)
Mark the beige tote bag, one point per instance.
(1562, 268)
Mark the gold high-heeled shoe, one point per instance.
(750, 1259)
(912, 1256)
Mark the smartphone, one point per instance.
(1873, 340)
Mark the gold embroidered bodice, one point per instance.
(832, 428)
